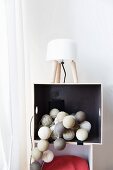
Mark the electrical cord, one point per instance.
(36, 112)
(31, 133)
(31, 137)
(62, 63)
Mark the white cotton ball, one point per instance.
(61, 116)
(36, 154)
(52, 127)
(46, 120)
(80, 116)
(43, 145)
(82, 134)
(68, 122)
(53, 113)
(47, 156)
(44, 132)
(56, 120)
(86, 125)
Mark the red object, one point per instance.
(66, 163)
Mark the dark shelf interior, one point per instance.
(70, 98)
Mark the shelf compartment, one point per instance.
(70, 98)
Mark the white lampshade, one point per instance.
(61, 49)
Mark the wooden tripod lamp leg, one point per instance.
(55, 63)
(74, 71)
(58, 73)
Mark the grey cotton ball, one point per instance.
(59, 129)
(46, 120)
(59, 144)
(80, 116)
(69, 134)
(35, 166)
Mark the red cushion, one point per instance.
(66, 163)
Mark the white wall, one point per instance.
(90, 24)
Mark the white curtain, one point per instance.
(13, 143)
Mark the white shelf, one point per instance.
(83, 151)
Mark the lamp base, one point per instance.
(57, 71)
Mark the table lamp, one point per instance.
(59, 51)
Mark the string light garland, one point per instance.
(64, 131)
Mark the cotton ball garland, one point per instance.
(68, 122)
(36, 154)
(80, 116)
(82, 134)
(68, 134)
(43, 145)
(53, 113)
(46, 120)
(86, 125)
(61, 116)
(59, 129)
(35, 166)
(44, 132)
(47, 156)
(59, 144)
